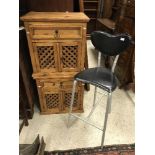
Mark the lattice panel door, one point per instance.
(52, 101)
(67, 99)
(70, 56)
(46, 57)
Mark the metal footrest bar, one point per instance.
(87, 122)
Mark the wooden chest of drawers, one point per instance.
(57, 49)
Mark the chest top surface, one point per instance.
(55, 16)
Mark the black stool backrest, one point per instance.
(108, 44)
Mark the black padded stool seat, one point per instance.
(98, 76)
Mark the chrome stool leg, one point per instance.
(110, 102)
(93, 108)
(106, 118)
(72, 101)
(95, 91)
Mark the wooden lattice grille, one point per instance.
(70, 56)
(52, 100)
(67, 99)
(46, 57)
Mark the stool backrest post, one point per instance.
(114, 63)
(99, 59)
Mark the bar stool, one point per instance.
(100, 77)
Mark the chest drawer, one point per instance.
(46, 31)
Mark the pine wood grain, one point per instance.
(55, 16)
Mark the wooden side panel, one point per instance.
(30, 47)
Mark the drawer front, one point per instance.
(55, 32)
(47, 84)
(69, 84)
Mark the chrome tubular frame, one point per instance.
(99, 59)
(72, 101)
(106, 118)
(85, 120)
(114, 63)
(98, 65)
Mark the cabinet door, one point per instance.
(52, 101)
(70, 59)
(50, 97)
(46, 57)
(66, 96)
